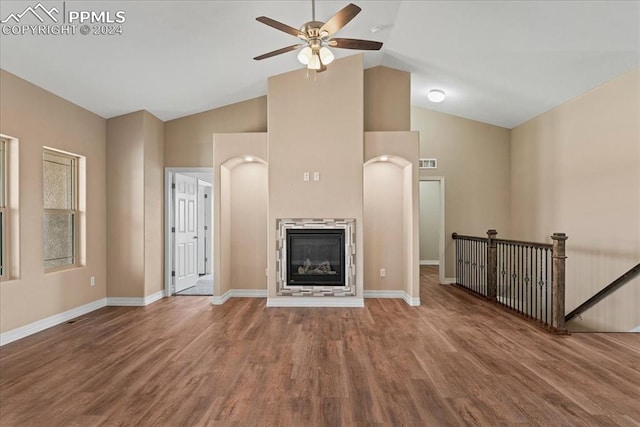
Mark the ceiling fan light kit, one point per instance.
(317, 36)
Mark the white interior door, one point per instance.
(186, 234)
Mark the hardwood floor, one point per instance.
(456, 360)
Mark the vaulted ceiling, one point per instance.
(500, 62)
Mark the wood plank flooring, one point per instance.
(456, 360)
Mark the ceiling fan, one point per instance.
(317, 38)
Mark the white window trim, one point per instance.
(3, 209)
(75, 211)
(11, 215)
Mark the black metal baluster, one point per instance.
(550, 272)
(519, 279)
(530, 281)
(538, 287)
(473, 270)
(466, 264)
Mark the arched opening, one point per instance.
(243, 225)
(389, 225)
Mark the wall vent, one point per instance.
(428, 163)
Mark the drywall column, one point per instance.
(153, 135)
(125, 207)
(134, 211)
(315, 125)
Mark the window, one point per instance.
(3, 209)
(61, 216)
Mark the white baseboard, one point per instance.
(636, 329)
(449, 281)
(412, 301)
(239, 293)
(315, 302)
(134, 301)
(56, 319)
(429, 262)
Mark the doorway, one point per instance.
(432, 223)
(188, 231)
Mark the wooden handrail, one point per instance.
(526, 277)
(606, 291)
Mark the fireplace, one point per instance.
(315, 257)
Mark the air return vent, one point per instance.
(428, 163)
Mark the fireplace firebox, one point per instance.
(315, 257)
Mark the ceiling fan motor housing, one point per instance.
(312, 30)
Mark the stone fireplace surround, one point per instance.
(283, 289)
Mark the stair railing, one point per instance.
(606, 291)
(525, 277)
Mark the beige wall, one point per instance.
(576, 169)
(429, 220)
(188, 140)
(153, 131)
(248, 206)
(384, 234)
(38, 118)
(240, 217)
(474, 159)
(135, 191)
(315, 125)
(387, 99)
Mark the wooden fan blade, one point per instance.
(282, 27)
(339, 20)
(355, 44)
(278, 52)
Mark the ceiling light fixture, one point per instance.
(314, 59)
(305, 55)
(326, 56)
(436, 95)
(314, 62)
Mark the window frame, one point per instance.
(3, 209)
(74, 211)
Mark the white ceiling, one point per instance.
(500, 62)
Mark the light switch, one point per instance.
(305, 176)
(316, 176)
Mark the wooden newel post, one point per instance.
(492, 265)
(559, 257)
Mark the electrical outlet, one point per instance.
(316, 176)
(383, 272)
(305, 176)
(93, 280)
